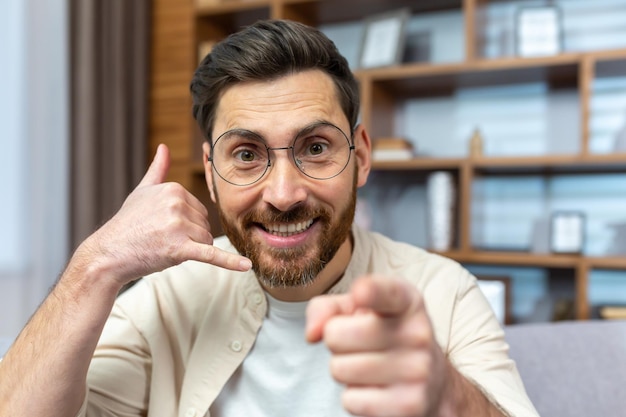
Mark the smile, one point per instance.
(288, 229)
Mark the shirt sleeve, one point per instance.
(119, 375)
(478, 350)
(83, 408)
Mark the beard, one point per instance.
(290, 267)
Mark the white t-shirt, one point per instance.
(282, 375)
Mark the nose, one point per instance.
(284, 185)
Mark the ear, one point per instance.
(363, 154)
(208, 171)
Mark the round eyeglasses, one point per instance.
(241, 157)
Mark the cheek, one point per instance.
(233, 200)
(337, 194)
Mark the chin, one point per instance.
(288, 271)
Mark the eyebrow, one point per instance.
(249, 134)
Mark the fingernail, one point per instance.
(245, 264)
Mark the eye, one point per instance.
(317, 148)
(246, 155)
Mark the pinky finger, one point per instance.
(215, 256)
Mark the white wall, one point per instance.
(34, 168)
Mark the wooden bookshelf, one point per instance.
(179, 26)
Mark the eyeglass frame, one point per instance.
(351, 147)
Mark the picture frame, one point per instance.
(383, 39)
(567, 232)
(497, 291)
(538, 31)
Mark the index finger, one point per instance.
(323, 308)
(386, 296)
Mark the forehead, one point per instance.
(283, 105)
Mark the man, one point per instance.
(389, 329)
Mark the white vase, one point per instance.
(441, 197)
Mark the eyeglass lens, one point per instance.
(242, 157)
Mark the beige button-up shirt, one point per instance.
(173, 340)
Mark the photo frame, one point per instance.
(497, 291)
(383, 39)
(567, 232)
(538, 31)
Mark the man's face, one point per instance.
(289, 225)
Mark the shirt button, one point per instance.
(236, 346)
(191, 412)
(258, 298)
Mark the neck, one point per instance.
(324, 281)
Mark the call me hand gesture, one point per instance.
(159, 225)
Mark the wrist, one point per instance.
(462, 397)
(90, 272)
(449, 400)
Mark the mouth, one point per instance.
(287, 229)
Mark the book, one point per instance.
(392, 149)
(205, 3)
(613, 312)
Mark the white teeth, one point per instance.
(284, 229)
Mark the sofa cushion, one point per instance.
(573, 369)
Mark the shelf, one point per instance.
(613, 262)
(425, 78)
(608, 55)
(536, 260)
(419, 164)
(551, 164)
(557, 164)
(384, 91)
(515, 258)
(216, 21)
(332, 11)
(411, 70)
(232, 6)
(326, 11)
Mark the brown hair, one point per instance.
(268, 50)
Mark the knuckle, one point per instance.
(209, 252)
(175, 205)
(333, 335)
(172, 188)
(349, 370)
(417, 332)
(336, 369)
(414, 367)
(173, 223)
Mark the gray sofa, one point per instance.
(573, 369)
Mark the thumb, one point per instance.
(157, 171)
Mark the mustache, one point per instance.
(273, 215)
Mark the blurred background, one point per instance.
(514, 110)
(74, 98)
(34, 120)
